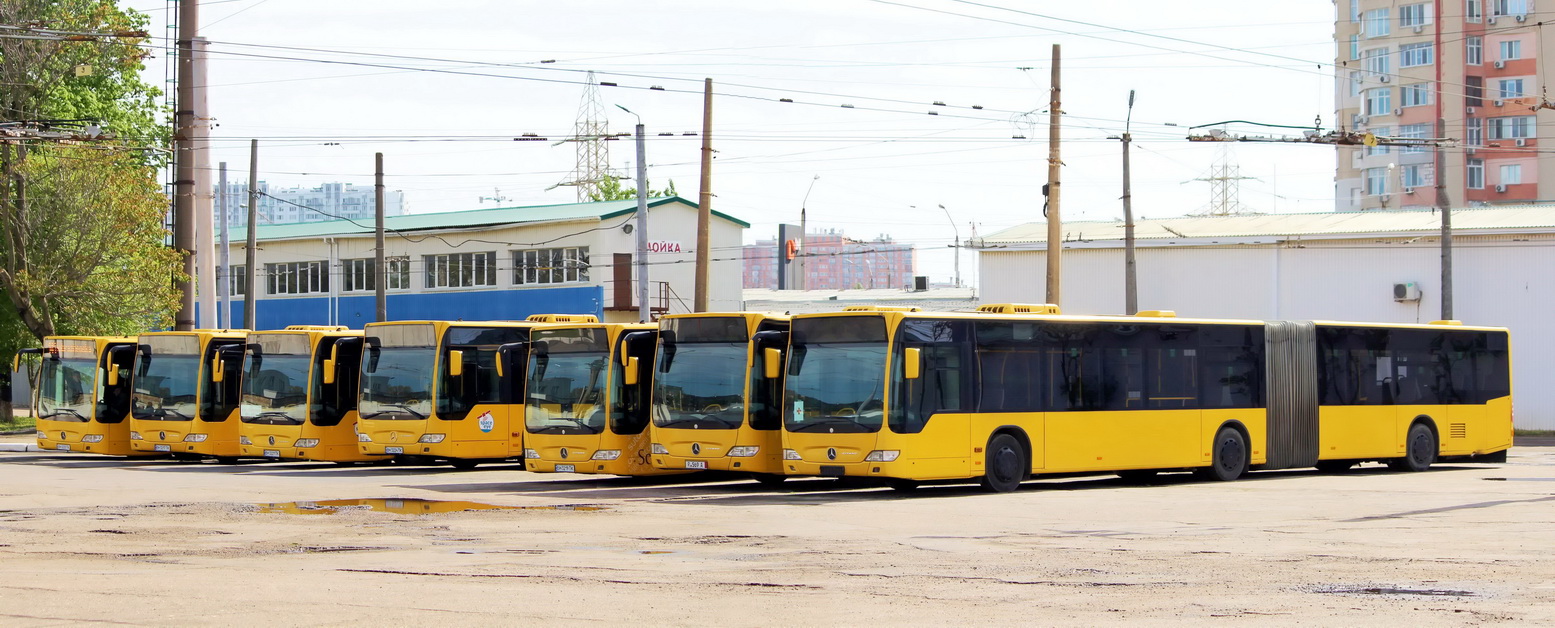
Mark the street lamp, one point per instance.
(804, 277)
(955, 246)
(642, 220)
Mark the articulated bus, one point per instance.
(1014, 390)
(716, 387)
(186, 393)
(445, 390)
(299, 395)
(82, 394)
(587, 399)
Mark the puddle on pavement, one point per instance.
(1363, 590)
(401, 506)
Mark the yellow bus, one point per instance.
(715, 406)
(299, 395)
(82, 394)
(186, 394)
(587, 399)
(446, 390)
(1012, 390)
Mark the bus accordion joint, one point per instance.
(881, 308)
(1018, 308)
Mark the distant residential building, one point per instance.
(330, 201)
(834, 261)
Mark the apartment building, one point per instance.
(836, 262)
(1462, 69)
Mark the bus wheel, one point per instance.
(1334, 466)
(1419, 452)
(1230, 458)
(902, 485)
(1138, 475)
(768, 479)
(464, 464)
(1004, 462)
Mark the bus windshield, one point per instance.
(700, 385)
(166, 385)
(275, 384)
(397, 373)
(836, 375)
(567, 369)
(65, 385)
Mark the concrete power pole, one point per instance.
(224, 271)
(1055, 229)
(1444, 206)
(380, 271)
(705, 202)
(184, 170)
(251, 293)
(1130, 279)
(643, 310)
(204, 227)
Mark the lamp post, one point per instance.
(642, 220)
(955, 247)
(804, 277)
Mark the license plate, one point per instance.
(394, 450)
(62, 447)
(566, 468)
(696, 464)
(161, 448)
(272, 453)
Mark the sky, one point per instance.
(443, 88)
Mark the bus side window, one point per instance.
(944, 383)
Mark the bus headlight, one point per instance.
(606, 454)
(196, 438)
(430, 438)
(657, 448)
(42, 436)
(743, 452)
(304, 443)
(92, 438)
(363, 438)
(789, 454)
(879, 455)
(133, 435)
(243, 440)
(530, 454)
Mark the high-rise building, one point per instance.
(1462, 69)
(836, 262)
(330, 201)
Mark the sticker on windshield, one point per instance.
(487, 422)
(799, 411)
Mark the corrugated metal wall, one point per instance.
(1500, 280)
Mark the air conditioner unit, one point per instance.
(1500, 64)
(1468, 110)
(1522, 142)
(1470, 150)
(1383, 79)
(1409, 190)
(1406, 291)
(1500, 187)
(1398, 112)
(1419, 29)
(1361, 119)
(1522, 18)
(1500, 102)
(1490, 20)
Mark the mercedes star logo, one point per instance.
(394, 435)
(564, 453)
(272, 440)
(161, 435)
(831, 454)
(62, 436)
(696, 448)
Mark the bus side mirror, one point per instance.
(218, 368)
(772, 362)
(329, 370)
(912, 363)
(113, 375)
(455, 363)
(629, 372)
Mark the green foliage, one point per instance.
(611, 190)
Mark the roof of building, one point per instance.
(1274, 227)
(804, 301)
(603, 210)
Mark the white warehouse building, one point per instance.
(1330, 266)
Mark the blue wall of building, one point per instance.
(354, 311)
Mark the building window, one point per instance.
(1511, 50)
(1509, 7)
(1474, 132)
(1473, 10)
(1411, 55)
(1510, 88)
(237, 280)
(361, 276)
(1511, 127)
(461, 270)
(1511, 174)
(1474, 50)
(1355, 47)
(1379, 102)
(1377, 61)
(1376, 181)
(1415, 94)
(1355, 10)
(1473, 91)
(1412, 176)
(1377, 23)
(1476, 175)
(1414, 14)
(1379, 149)
(1414, 132)
(543, 266)
(1357, 79)
(297, 278)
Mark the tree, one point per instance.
(610, 189)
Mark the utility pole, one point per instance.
(643, 312)
(1443, 205)
(1130, 287)
(380, 271)
(251, 283)
(184, 160)
(1055, 230)
(204, 221)
(224, 310)
(705, 202)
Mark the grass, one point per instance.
(1533, 433)
(18, 424)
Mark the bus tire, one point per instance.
(769, 479)
(1229, 461)
(1334, 466)
(464, 464)
(1004, 464)
(1419, 450)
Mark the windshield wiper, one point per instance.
(700, 418)
(59, 411)
(164, 411)
(405, 407)
(577, 422)
(826, 421)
